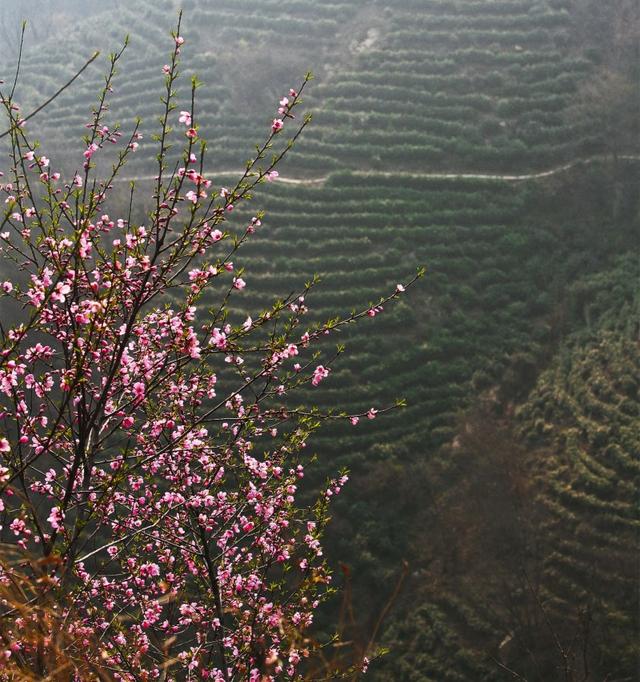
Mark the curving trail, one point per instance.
(428, 176)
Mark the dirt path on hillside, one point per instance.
(427, 176)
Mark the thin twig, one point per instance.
(17, 75)
(56, 94)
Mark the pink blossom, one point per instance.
(319, 373)
(371, 414)
(56, 518)
(277, 125)
(290, 351)
(239, 283)
(185, 117)
(60, 292)
(90, 151)
(218, 339)
(17, 526)
(150, 570)
(4, 445)
(139, 391)
(284, 106)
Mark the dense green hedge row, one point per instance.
(254, 23)
(325, 10)
(505, 40)
(515, 81)
(476, 58)
(428, 22)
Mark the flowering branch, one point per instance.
(150, 455)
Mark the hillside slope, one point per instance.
(526, 316)
(526, 546)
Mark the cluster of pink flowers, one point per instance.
(319, 373)
(146, 446)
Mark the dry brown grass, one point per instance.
(31, 614)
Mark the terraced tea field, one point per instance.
(429, 85)
(407, 93)
(469, 237)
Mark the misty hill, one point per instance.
(508, 481)
(414, 84)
